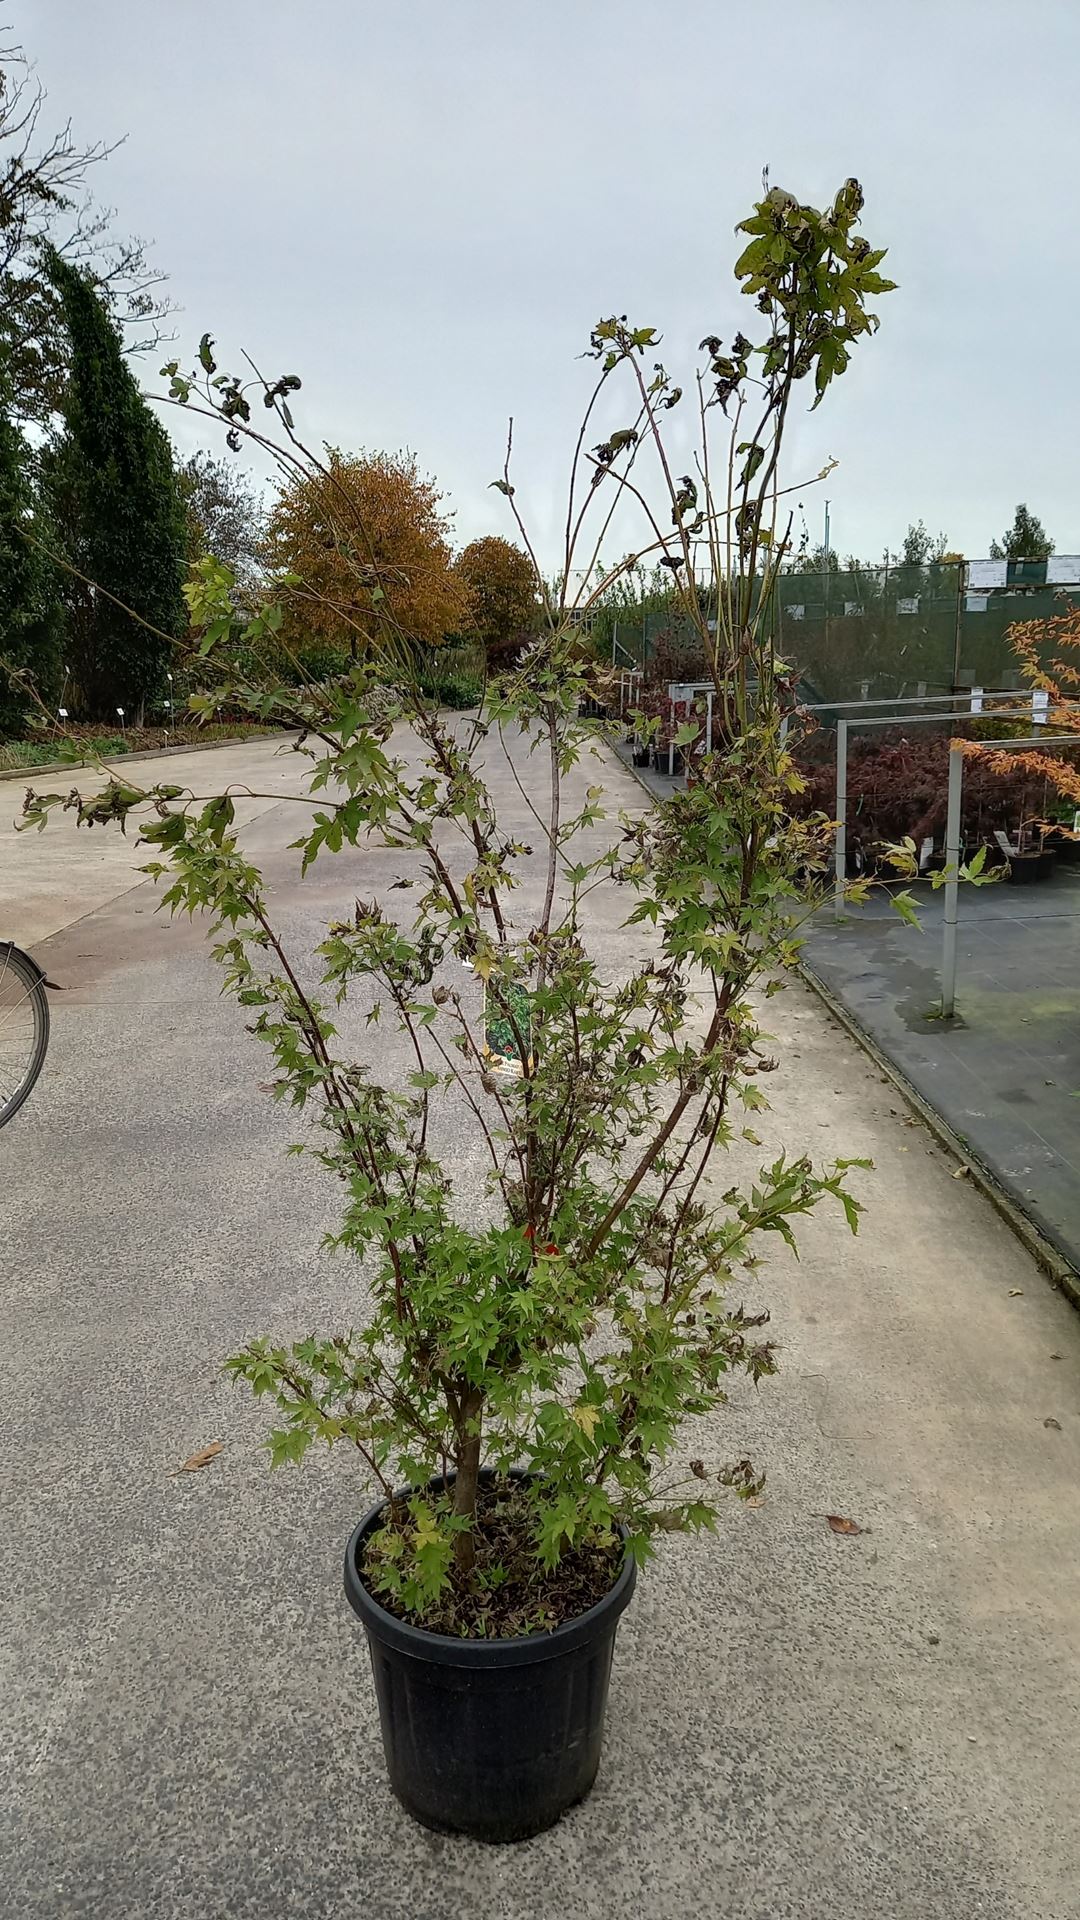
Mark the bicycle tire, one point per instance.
(13, 960)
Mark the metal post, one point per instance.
(958, 636)
(671, 745)
(708, 721)
(827, 581)
(840, 854)
(952, 883)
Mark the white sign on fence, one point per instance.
(982, 574)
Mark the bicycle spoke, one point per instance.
(24, 1000)
(24, 1029)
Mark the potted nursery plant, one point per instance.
(522, 1369)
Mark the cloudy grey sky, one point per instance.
(422, 207)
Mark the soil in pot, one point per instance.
(508, 1592)
(497, 1731)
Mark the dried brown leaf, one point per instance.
(1051, 1422)
(1016, 1293)
(201, 1459)
(841, 1524)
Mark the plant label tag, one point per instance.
(507, 1026)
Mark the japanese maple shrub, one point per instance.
(572, 1329)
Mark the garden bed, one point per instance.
(46, 749)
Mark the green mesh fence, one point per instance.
(868, 634)
(882, 632)
(898, 632)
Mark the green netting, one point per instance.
(898, 632)
(882, 632)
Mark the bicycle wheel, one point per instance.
(24, 1028)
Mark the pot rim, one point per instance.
(444, 1649)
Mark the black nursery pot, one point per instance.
(491, 1738)
(1066, 848)
(1023, 869)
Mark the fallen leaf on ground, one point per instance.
(755, 1500)
(1016, 1293)
(841, 1524)
(1051, 1422)
(200, 1459)
(960, 1174)
(1055, 1356)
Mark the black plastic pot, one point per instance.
(1065, 846)
(491, 1738)
(642, 756)
(1023, 869)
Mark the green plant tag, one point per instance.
(507, 1025)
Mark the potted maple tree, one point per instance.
(519, 1372)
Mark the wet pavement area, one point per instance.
(1005, 1072)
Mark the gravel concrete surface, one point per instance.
(800, 1724)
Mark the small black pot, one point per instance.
(642, 756)
(492, 1738)
(1023, 869)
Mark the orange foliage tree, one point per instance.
(1049, 654)
(501, 594)
(365, 534)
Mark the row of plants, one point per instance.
(897, 790)
(649, 725)
(54, 746)
(534, 1386)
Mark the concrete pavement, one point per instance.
(48, 880)
(880, 1727)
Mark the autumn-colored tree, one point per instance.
(364, 538)
(1049, 655)
(500, 585)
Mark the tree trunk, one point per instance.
(468, 1473)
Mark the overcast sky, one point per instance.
(422, 207)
